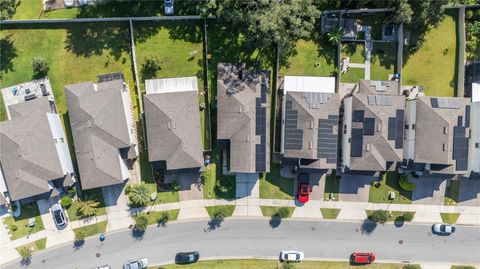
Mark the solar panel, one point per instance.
(399, 126)
(382, 100)
(261, 130)
(467, 116)
(358, 115)
(369, 126)
(392, 128)
(460, 148)
(445, 102)
(293, 135)
(263, 94)
(371, 100)
(357, 142)
(460, 121)
(327, 139)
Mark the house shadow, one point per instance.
(368, 226)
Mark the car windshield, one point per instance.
(304, 189)
(442, 228)
(370, 258)
(58, 217)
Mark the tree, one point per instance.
(40, 67)
(283, 212)
(66, 201)
(380, 216)
(468, 14)
(140, 194)
(150, 67)
(87, 207)
(26, 254)
(266, 22)
(80, 236)
(7, 9)
(220, 214)
(335, 36)
(141, 222)
(403, 12)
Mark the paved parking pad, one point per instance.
(428, 191)
(469, 194)
(355, 188)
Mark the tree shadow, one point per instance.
(368, 226)
(325, 49)
(9, 53)
(25, 262)
(399, 221)
(385, 54)
(77, 244)
(137, 234)
(214, 224)
(275, 221)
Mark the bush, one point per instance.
(175, 186)
(405, 184)
(412, 266)
(139, 194)
(220, 214)
(128, 189)
(468, 14)
(80, 235)
(380, 216)
(72, 192)
(477, 14)
(163, 219)
(40, 67)
(283, 212)
(141, 222)
(13, 227)
(408, 216)
(26, 253)
(66, 201)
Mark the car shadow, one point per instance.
(368, 226)
(275, 221)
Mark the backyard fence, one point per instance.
(461, 52)
(112, 19)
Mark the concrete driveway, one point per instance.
(355, 188)
(469, 194)
(429, 191)
(317, 184)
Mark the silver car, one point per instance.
(291, 256)
(443, 229)
(168, 7)
(138, 264)
(59, 216)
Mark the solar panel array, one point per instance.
(379, 100)
(327, 139)
(369, 126)
(395, 128)
(293, 135)
(315, 99)
(460, 148)
(357, 142)
(445, 102)
(467, 116)
(261, 129)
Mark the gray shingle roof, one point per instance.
(434, 133)
(236, 116)
(308, 122)
(28, 155)
(173, 129)
(99, 129)
(379, 87)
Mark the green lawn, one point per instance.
(354, 50)
(272, 264)
(179, 47)
(93, 194)
(450, 217)
(216, 185)
(93, 229)
(274, 186)
(34, 246)
(163, 197)
(451, 192)
(393, 214)
(433, 65)
(310, 53)
(331, 187)
(21, 223)
(269, 211)
(154, 217)
(353, 75)
(389, 182)
(330, 213)
(228, 209)
(383, 61)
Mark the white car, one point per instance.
(68, 3)
(138, 264)
(443, 229)
(291, 256)
(59, 216)
(168, 7)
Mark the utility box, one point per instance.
(391, 195)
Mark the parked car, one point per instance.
(303, 189)
(168, 7)
(82, 3)
(291, 256)
(443, 229)
(104, 267)
(138, 264)
(44, 90)
(59, 216)
(362, 258)
(187, 257)
(68, 3)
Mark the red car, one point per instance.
(362, 258)
(303, 187)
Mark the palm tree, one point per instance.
(335, 36)
(140, 194)
(87, 207)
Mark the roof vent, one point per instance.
(444, 129)
(169, 125)
(247, 138)
(368, 147)
(379, 128)
(444, 147)
(240, 109)
(310, 145)
(311, 125)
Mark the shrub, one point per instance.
(175, 186)
(220, 213)
(40, 67)
(139, 194)
(141, 222)
(408, 216)
(80, 235)
(412, 266)
(468, 14)
(26, 253)
(380, 216)
(163, 219)
(283, 212)
(87, 208)
(477, 14)
(13, 227)
(66, 201)
(72, 192)
(405, 184)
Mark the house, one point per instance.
(438, 134)
(172, 118)
(103, 129)
(373, 127)
(474, 147)
(243, 118)
(310, 122)
(34, 156)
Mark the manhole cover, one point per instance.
(400, 242)
(98, 254)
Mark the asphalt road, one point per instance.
(242, 237)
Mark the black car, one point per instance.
(187, 257)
